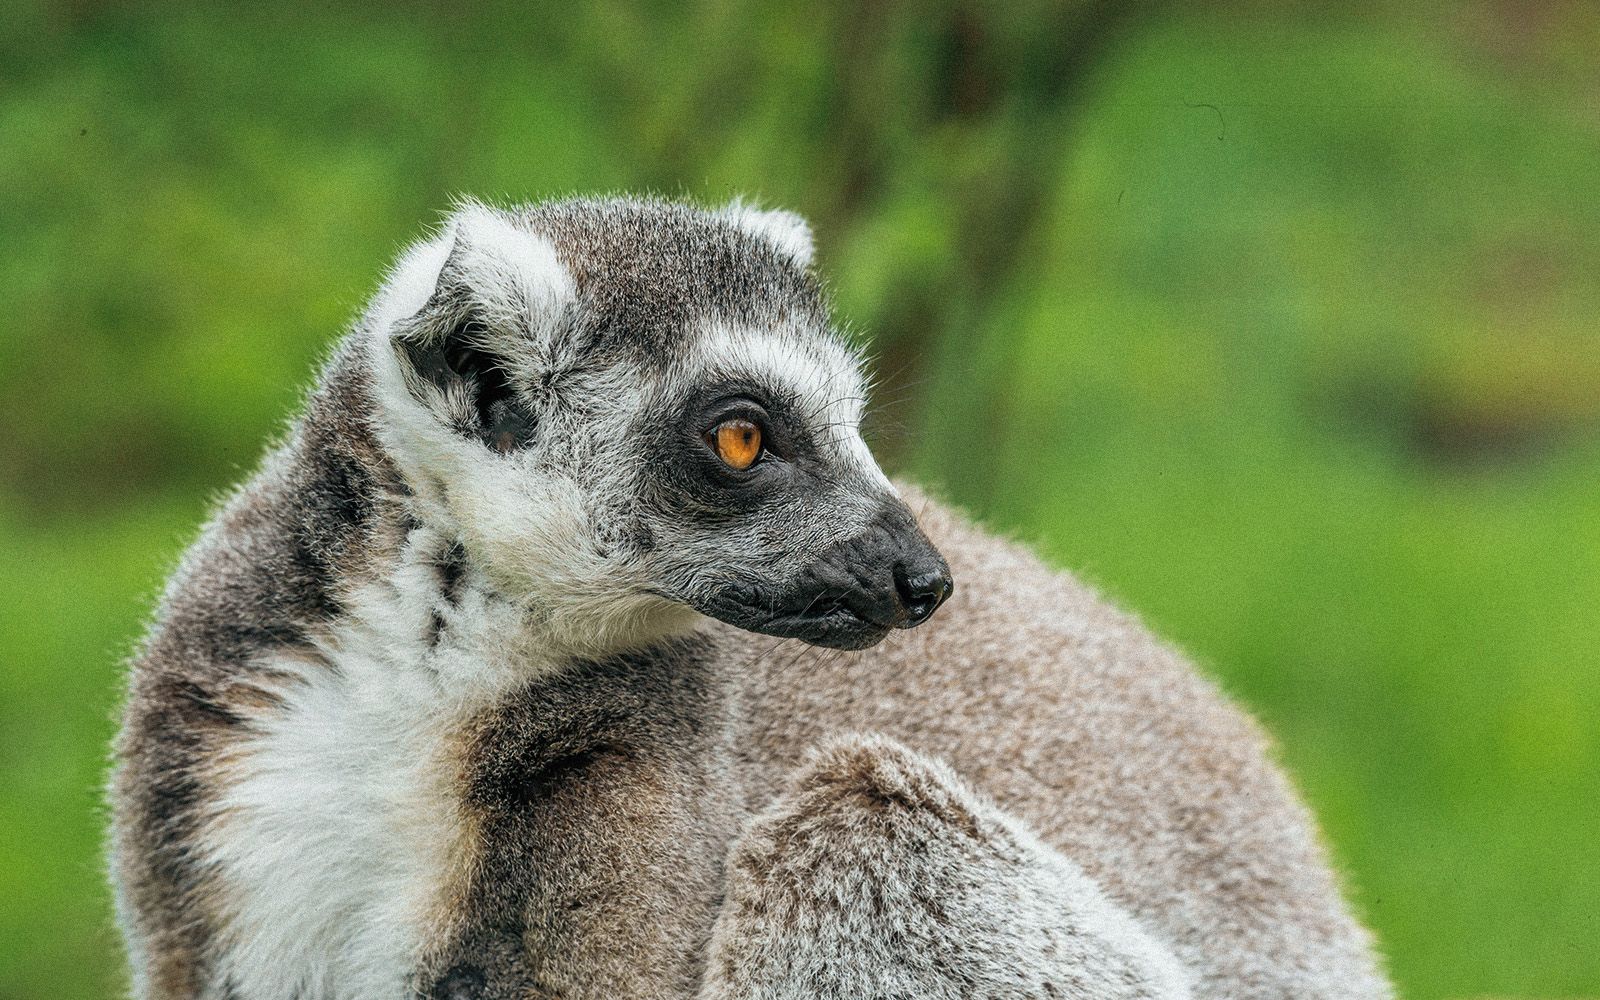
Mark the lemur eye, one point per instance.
(737, 442)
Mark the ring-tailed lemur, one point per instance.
(533, 663)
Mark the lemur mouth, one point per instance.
(824, 622)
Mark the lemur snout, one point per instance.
(853, 593)
(889, 576)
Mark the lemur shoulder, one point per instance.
(572, 644)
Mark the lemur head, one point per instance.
(629, 411)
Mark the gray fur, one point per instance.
(878, 874)
(444, 637)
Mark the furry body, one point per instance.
(371, 750)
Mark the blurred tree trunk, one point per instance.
(1006, 81)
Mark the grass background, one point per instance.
(1279, 325)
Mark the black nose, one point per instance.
(922, 589)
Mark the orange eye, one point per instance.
(736, 442)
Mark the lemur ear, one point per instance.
(494, 299)
(785, 230)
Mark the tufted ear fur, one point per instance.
(785, 230)
(497, 295)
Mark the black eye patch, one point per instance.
(688, 474)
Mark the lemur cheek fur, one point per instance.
(499, 680)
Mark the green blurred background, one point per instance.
(1277, 322)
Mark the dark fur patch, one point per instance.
(588, 789)
(452, 566)
(499, 418)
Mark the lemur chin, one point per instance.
(573, 644)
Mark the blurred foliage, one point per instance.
(1279, 327)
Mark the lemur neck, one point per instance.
(437, 613)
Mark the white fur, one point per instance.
(513, 269)
(340, 835)
(409, 283)
(785, 230)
